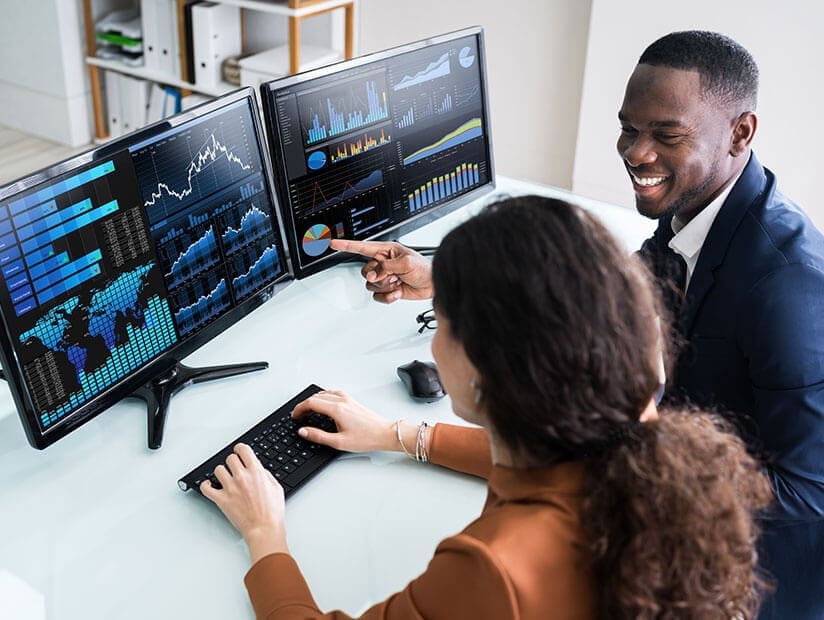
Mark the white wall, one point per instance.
(785, 38)
(535, 60)
(43, 84)
(265, 31)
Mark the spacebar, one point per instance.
(306, 470)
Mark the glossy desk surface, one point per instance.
(96, 527)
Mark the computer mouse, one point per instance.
(422, 381)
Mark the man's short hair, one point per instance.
(728, 71)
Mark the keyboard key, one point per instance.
(309, 468)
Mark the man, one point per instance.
(754, 284)
(752, 315)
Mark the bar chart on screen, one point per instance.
(343, 108)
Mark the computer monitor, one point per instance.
(117, 263)
(375, 147)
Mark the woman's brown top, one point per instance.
(520, 558)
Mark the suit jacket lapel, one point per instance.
(747, 190)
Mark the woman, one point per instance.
(597, 507)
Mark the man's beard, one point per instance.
(686, 199)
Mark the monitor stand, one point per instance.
(158, 392)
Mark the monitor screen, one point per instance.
(122, 260)
(380, 145)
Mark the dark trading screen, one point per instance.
(106, 267)
(370, 147)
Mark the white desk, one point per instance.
(95, 526)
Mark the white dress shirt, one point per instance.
(689, 238)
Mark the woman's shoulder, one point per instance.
(523, 529)
(533, 553)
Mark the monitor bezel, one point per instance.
(167, 360)
(268, 92)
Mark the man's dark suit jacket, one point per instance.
(753, 322)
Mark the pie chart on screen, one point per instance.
(466, 57)
(316, 239)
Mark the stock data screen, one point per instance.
(107, 266)
(373, 146)
(209, 215)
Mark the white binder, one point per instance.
(167, 37)
(215, 36)
(157, 98)
(113, 107)
(151, 33)
(134, 98)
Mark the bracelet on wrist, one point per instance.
(420, 444)
(400, 439)
(421, 455)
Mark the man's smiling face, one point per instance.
(675, 141)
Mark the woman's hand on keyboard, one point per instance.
(359, 428)
(252, 500)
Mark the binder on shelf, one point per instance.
(113, 107)
(215, 36)
(142, 90)
(168, 45)
(151, 43)
(171, 102)
(190, 55)
(126, 104)
(163, 101)
(157, 97)
(134, 99)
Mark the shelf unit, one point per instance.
(294, 10)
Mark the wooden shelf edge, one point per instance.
(160, 78)
(309, 8)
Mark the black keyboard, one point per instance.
(275, 440)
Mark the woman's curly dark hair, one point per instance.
(669, 513)
(563, 328)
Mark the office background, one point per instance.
(557, 72)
